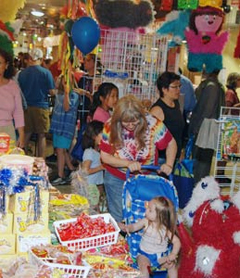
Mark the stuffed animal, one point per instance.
(175, 24)
(204, 39)
(213, 248)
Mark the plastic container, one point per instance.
(91, 242)
(16, 160)
(75, 271)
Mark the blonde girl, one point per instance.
(159, 233)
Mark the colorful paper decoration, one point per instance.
(211, 3)
(204, 39)
(175, 24)
(6, 37)
(9, 9)
(187, 4)
(166, 5)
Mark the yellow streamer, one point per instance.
(212, 3)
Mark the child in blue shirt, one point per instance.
(91, 164)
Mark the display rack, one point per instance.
(226, 167)
(132, 61)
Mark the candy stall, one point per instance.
(44, 233)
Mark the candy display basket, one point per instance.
(74, 271)
(90, 242)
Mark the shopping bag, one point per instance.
(77, 152)
(183, 178)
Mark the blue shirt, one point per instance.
(189, 95)
(94, 157)
(64, 122)
(35, 83)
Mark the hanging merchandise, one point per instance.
(124, 13)
(67, 53)
(9, 9)
(6, 37)
(204, 39)
(166, 5)
(175, 25)
(85, 34)
(187, 4)
(211, 3)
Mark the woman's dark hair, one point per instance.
(103, 91)
(9, 72)
(232, 80)
(92, 130)
(165, 79)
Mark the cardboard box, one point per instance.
(7, 244)
(9, 258)
(6, 223)
(24, 202)
(27, 240)
(25, 223)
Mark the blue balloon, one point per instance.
(85, 34)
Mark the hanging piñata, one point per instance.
(205, 39)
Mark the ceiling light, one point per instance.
(37, 13)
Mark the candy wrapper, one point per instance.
(120, 251)
(17, 268)
(57, 254)
(105, 267)
(47, 272)
(4, 143)
(40, 169)
(84, 227)
(66, 206)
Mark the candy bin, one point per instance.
(86, 231)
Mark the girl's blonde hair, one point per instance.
(128, 109)
(166, 215)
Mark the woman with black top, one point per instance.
(167, 107)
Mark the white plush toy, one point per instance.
(212, 248)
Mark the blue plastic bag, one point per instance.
(183, 178)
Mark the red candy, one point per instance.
(84, 227)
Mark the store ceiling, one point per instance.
(50, 22)
(45, 24)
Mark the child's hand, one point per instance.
(168, 261)
(122, 226)
(171, 258)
